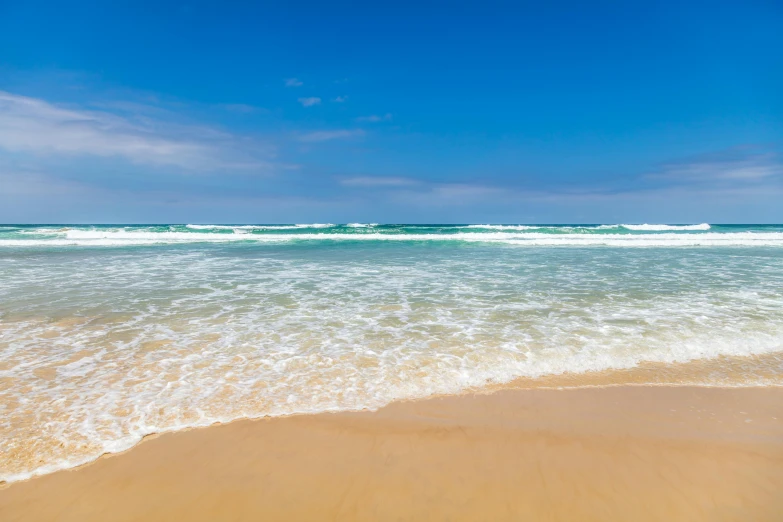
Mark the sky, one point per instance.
(391, 112)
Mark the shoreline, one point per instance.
(471, 392)
(669, 427)
(690, 374)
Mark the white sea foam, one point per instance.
(103, 237)
(544, 227)
(244, 227)
(154, 343)
(259, 227)
(643, 227)
(42, 231)
(507, 227)
(702, 226)
(105, 347)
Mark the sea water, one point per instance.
(110, 333)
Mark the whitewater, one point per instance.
(621, 235)
(109, 333)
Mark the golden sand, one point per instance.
(761, 370)
(630, 453)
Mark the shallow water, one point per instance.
(111, 333)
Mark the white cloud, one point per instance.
(293, 82)
(330, 135)
(740, 165)
(340, 99)
(378, 181)
(34, 126)
(374, 118)
(309, 102)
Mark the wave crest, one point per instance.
(657, 228)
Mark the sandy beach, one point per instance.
(391, 261)
(612, 453)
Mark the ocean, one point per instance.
(109, 333)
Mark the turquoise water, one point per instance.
(531, 235)
(109, 333)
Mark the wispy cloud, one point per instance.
(39, 128)
(410, 189)
(293, 82)
(340, 99)
(737, 176)
(378, 181)
(309, 102)
(374, 118)
(735, 166)
(316, 136)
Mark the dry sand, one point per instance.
(630, 453)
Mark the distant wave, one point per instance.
(257, 227)
(643, 227)
(544, 227)
(97, 237)
(702, 226)
(509, 227)
(227, 227)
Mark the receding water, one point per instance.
(111, 333)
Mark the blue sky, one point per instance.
(403, 112)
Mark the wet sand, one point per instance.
(637, 453)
